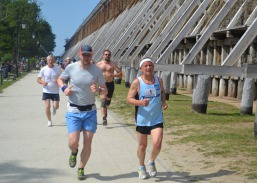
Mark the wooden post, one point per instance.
(180, 81)
(240, 89)
(247, 97)
(215, 86)
(185, 81)
(222, 88)
(190, 82)
(173, 84)
(232, 88)
(133, 74)
(127, 77)
(201, 93)
(166, 82)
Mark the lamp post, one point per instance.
(23, 25)
(33, 35)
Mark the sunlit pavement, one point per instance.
(32, 152)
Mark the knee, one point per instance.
(103, 103)
(157, 146)
(73, 144)
(108, 102)
(142, 147)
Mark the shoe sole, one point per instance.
(82, 178)
(105, 123)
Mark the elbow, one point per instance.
(128, 101)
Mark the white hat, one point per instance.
(145, 60)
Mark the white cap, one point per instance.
(145, 60)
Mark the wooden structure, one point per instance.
(205, 46)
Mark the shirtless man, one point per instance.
(108, 67)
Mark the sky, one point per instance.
(65, 17)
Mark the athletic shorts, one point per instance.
(52, 96)
(110, 88)
(81, 121)
(147, 129)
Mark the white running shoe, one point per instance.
(54, 111)
(152, 169)
(49, 123)
(142, 172)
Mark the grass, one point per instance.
(9, 82)
(222, 132)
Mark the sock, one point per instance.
(142, 167)
(75, 154)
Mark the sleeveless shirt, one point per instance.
(152, 114)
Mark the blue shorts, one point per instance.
(81, 121)
(52, 96)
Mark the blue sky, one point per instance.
(65, 17)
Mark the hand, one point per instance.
(94, 87)
(68, 90)
(45, 83)
(146, 102)
(164, 106)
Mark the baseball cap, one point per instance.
(145, 60)
(85, 49)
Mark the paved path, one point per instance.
(32, 152)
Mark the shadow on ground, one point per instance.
(12, 172)
(182, 177)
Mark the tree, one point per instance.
(16, 41)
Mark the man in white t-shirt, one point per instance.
(48, 76)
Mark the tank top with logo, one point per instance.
(152, 114)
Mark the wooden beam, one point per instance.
(194, 69)
(179, 37)
(247, 71)
(208, 32)
(242, 44)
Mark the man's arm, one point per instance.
(133, 90)
(102, 90)
(42, 82)
(66, 89)
(118, 72)
(163, 96)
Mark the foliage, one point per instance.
(6, 57)
(15, 40)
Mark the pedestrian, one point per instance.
(63, 66)
(42, 63)
(67, 62)
(108, 67)
(48, 78)
(86, 79)
(147, 94)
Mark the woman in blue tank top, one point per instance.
(147, 94)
